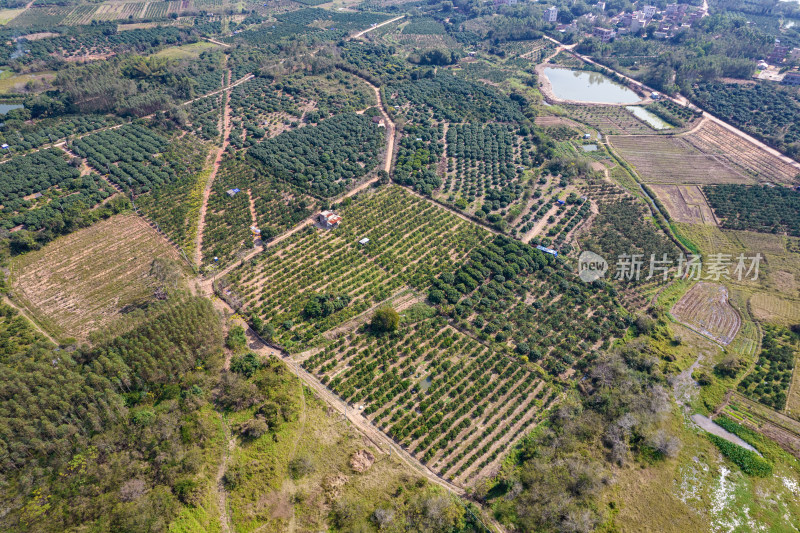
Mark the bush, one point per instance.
(236, 338)
(728, 367)
(300, 467)
(254, 428)
(750, 463)
(247, 364)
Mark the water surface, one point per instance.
(5, 108)
(586, 86)
(715, 429)
(652, 119)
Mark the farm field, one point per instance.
(451, 401)
(186, 51)
(549, 121)
(776, 285)
(352, 144)
(666, 159)
(7, 15)
(87, 280)
(685, 203)
(783, 429)
(705, 309)
(773, 308)
(711, 138)
(11, 82)
(771, 378)
(609, 120)
(483, 163)
(410, 239)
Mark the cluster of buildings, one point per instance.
(667, 22)
(772, 67)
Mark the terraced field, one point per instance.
(773, 308)
(705, 309)
(711, 138)
(609, 120)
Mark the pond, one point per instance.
(5, 108)
(425, 384)
(586, 86)
(589, 147)
(712, 427)
(652, 119)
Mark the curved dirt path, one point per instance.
(201, 220)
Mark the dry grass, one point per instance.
(685, 203)
(666, 159)
(84, 281)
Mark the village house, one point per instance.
(328, 219)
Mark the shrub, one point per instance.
(750, 463)
(300, 467)
(236, 338)
(247, 364)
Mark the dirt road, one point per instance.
(201, 221)
(375, 27)
(25, 314)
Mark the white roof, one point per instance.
(363, 241)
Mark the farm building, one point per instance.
(232, 192)
(547, 250)
(363, 241)
(329, 219)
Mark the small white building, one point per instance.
(328, 219)
(363, 241)
(551, 14)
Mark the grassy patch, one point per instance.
(11, 82)
(187, 51)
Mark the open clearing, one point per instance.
(187, 51)
(705, 309)
(665, 159)
(83, 281)
(685, 203)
